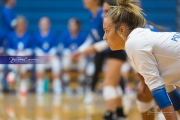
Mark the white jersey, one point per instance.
(155, 55)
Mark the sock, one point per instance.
(23, 87)
(40, 86)
(66, 78)
(57, 86)
(119, 112)
(108, 115)
(81, 78)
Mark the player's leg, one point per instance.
(40, 68)
(112, 93)
(1, 77)
(174, 96)
(145, 101)
(23, 77)
(98, 61)
(56, 70)
(81, 64)
(66, 65)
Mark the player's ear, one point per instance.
(122, 29)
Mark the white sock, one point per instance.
(81, 78)
(40, 86)
(66, 77)
(57, 86)
(23, 86)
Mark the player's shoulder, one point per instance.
(137, 39)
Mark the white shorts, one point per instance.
(68, 64)
(53, 63)
(20, 67)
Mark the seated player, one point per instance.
(45, 45)
(71, 39)
(19, 43)
(8, 22)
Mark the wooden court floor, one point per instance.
(50, 107)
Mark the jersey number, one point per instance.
(175, 37)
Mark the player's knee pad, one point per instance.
(81, 65)
(119, 91)
(66, 63)
(175, 99)
(25, 68)
(56, 66)
(40, 68)
(109, 92)
(145, 106)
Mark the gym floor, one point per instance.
(49, 107)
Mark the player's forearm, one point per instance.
(164, 103)
(100, 46)
(87, 43)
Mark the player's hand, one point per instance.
(90, 50)
(75, 56)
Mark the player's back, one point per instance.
(165, 44)
(163, 47)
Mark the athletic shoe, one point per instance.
(89, 97)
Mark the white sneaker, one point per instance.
(89, 98)
(128, 102)
(80, 90)
(68, 91)
(23, 88)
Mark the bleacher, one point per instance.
(59, 12)
(161, 12)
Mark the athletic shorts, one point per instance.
(118, 54)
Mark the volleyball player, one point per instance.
(154, 55)
(112, 92)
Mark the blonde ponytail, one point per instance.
(127, 13)
(123, 2)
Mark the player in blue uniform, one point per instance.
(112, 93)
(8, 20)
(46, 45)
(19, 44)
(71, 39)
(7, 25)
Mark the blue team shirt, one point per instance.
(7, 15)
(96, 27)
(45, 43)
(70, 42)
(14, 42)
(152, 28)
